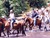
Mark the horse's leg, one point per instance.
(23, 31)
(0, 33)
(4, 33)
(45, 27)
(17, 32)
(3, 29)
(25, 27)
(8, 32)
(40, 26)
(30, 27)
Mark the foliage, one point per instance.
(18, 6)
(37, 3)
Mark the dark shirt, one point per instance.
(34, 14)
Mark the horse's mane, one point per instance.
(29, 20)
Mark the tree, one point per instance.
(1, 8)
(6, 5)
(19, 6)
(37, 3)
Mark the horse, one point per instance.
(1, 27)
(39, 22)
(19, 26)
(6, 25)
(29, 23)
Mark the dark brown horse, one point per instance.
(6, 25)
(1, 27)
(31, 22)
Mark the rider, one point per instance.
(34, 16)
(12, 18)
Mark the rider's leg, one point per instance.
(34, 22)
(11, 24)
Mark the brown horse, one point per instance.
(31, 22)
(38, 22)
(1, 27)
(16, 26)
(19, 26)
(6, 25)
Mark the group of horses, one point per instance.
(19, 25)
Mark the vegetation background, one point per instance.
(19, 5)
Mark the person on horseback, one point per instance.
(34, 16)
(12, 19)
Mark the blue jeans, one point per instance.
(34, 21)
(12, 23)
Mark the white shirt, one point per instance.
(46, 14)
(42, 8)
(11, 16)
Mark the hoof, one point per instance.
(23, 34)
(41, 30)
(4, 35)
(8, 35)
(17, 36)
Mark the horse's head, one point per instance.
(6, 22)
(3, 19)
(29, 20)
